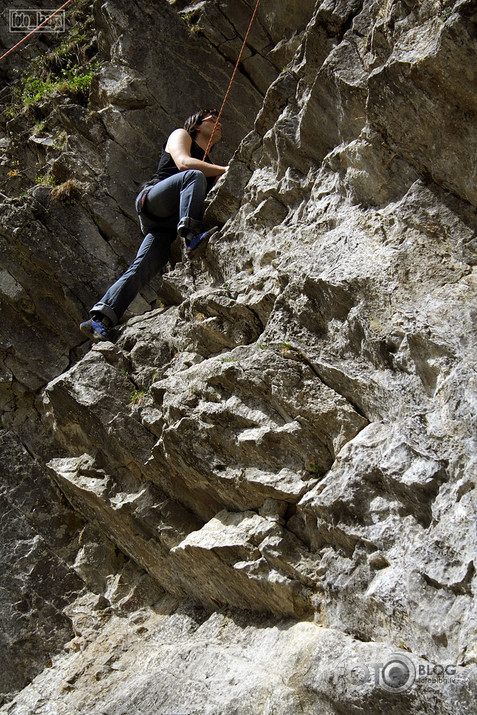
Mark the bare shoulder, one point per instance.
(179, 138)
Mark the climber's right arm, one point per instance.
(179, 147)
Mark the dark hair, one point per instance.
(192, 122)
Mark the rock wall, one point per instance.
(273, 472)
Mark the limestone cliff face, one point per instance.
(270, 475)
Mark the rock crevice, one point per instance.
(270, 474)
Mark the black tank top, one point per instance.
(167, 166)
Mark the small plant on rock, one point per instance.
(68, 191)
(137, 397)
(46, 180)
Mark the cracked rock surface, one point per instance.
(268, 481)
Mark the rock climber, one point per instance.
(172, 202)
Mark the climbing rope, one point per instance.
(68, 2)
(35, 29)
(231, 81)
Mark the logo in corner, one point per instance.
(398, 674)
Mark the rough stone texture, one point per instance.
(286, 449)
(177, 659)
(56, 571)
(58, 259)
(36, 583)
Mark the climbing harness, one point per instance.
(35, 29)
(231, 81)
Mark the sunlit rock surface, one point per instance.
(274, 469)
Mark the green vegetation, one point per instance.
(292, 351)
(74, 81)
(39, 128)
(191, 18)
(61, 141)
(66, 69)
(314, 468)
(46, 180)
(137, 397)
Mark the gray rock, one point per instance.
(38, 537)
(65, 256)
(286, 448)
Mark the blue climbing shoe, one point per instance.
(197, 243)
(95, 330)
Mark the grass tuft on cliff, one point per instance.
(65, 69)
